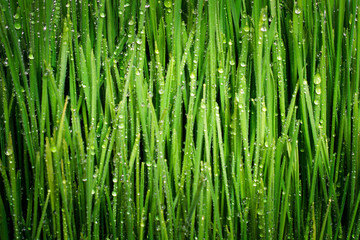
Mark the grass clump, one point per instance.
(206, 119)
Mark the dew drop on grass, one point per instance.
(220, 70)
(263, 28)
(260, 211)
(31, 56)
(115, 180)
(92, 150)
(316, 102)
(139, 41)
(102, 15)
(318, 90)
(9, 152)
(243, 64)
(53, 149)
(131, 22)
(17, 26)
(192, 75)
(168, 3)
(114, 194)
(317, 79)
(297, 10)
(232, 62)
(16, 16)
(246, 28)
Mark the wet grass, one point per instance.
(207, 119)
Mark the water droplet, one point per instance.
(203, 105)
(131, 22)
(102, 15)
(114, 194)
(192, 75)
(260, 211)
(53, 149)
(317, 79)
(9, 152)
(232, 62)
(220, 70)
(297, 10)
(17, 26)
(318, 90)
(263, 28)
(246, 28)
(92, 150)
(16, 16)
(316, 102)
(31, 56)
(243, 64)
(168, 3)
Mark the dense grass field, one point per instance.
(179, 119)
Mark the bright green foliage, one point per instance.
(179, 119)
